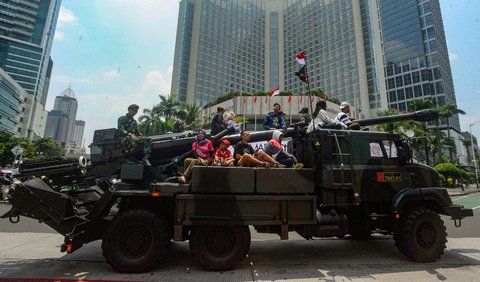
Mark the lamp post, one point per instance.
(473, 152)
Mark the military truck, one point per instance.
(353, 184)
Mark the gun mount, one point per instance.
(423, 115)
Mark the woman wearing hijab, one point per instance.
(203, 152)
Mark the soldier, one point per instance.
(130, 136)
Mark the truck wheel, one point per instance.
(421, 235)
(135, 241)
(219, 247)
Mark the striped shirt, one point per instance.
(344, 118)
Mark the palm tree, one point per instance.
(192, 119)
(467, 143)
(447, 111)
(151, 122)
(420, 104)
(167, 107)
(46, 146)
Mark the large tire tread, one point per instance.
(156, 240)
(413, 243)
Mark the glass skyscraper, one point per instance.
(247, 46)
(27, 28)
(417, 65)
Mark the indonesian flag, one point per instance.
(275, 91)
(290, 98)
(301, 99)
(244, 100)
(300, 57)
(255, 99)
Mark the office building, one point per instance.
(57, 126)
(67, 103)
(417, 65)
(78, 133)
(14, 114)
(27, 28)
(247, 46)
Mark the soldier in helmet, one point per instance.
(131, 136)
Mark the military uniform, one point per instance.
(127, 126)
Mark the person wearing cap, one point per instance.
(217, 125)
(274, 120)
(130, 135)
(305, 118)
(322, 120)
(223, 156)
(345, 119)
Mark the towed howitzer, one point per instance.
(422, 115)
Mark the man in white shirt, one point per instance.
(345, 119)
(322, 120)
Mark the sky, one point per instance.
(114, 53)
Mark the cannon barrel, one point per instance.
(423, 115)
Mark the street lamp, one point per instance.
(473, 152)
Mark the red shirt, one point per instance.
(203, 150)
(223, 155)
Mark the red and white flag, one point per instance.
(300, 57)
(290, 98)
(255, 99)
(275, 91)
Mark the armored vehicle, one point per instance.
(353, 184)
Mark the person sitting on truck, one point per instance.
(223, 156)
(202, 150)
(130, 136)
(246, 156)
(217, 124)
(343, 117)
(274, 120)
(229, 119)
(275, 150)
(322, 120)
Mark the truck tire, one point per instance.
(421, 235)
(135, 241)
(219, 247)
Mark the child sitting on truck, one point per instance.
(223, 156)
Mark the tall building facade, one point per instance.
(78, 133)
(417, 65)
(67, 103)
(27, 29)
(14, 112)
(57, 126)
(247, 46)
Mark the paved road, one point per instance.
(36, 255)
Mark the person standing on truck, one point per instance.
(322, 120)
(223, 156)
(229, 119)
(202, 150)
(345, 119)
(130, 136)
(217, 125)
(246, 156)
(274, 120)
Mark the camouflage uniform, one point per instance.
(127, 125)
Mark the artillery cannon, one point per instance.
(354, 183)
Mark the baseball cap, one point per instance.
(226, 142)
(344, 105)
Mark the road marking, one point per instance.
(470, 201)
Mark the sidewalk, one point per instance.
(457, 191)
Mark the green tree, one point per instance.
(447, 111)
(448, 170)
(151, 123)
(192, 118)
(8, 141)
(47, 147)
(167, 108)
(417, 105)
